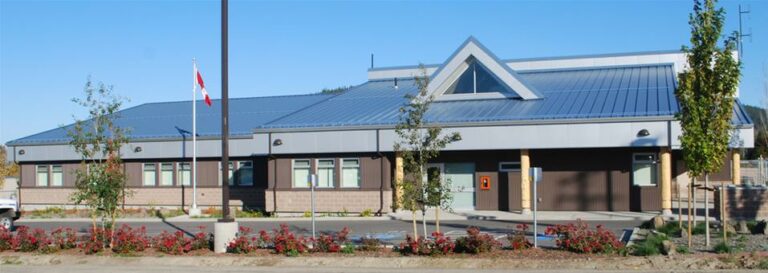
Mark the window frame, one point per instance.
(237, 173)
(333, 173)
(180, 170)
(51, 178)
(162, 175)
(359, 173)
(293, 173)
(231, 173)
(655, 165)
(502, 169)
(47, 175)
(144, 174)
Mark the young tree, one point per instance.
(706, 94)
(6, 168)
(100, 181)
(418, 144)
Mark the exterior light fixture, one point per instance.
(643, 133)
(137, 149)
(22, 152)
(277, 142)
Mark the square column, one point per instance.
(736, 164)
(399, 176)
(525, 181)
(666, 181)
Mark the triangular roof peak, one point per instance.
(472, 49)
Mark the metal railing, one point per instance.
(754, 172)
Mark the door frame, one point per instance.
(454, 189)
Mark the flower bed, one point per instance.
(578, 237)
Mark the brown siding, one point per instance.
(27, 175)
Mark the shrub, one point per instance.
(369, 244)
(129, 240)
(6, 239)
(264, 240)
(24, 241)
(517, 240)
(366, 213)
(330, 242)
(475, 242)
(285, 242)
(723, 247)
(652, 245)
(439, 244)
(201, 240)
(242, 244)
(348, 248)
(97, 238)
(173, 243)
(683, 249)
(670, 229)
(64, 238)
(577, 237)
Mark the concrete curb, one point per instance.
(687, 262)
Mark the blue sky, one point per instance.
(144, 48)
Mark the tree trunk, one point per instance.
(415, 227)
(722, 211)
(437, 219)
(693, 200)
(706, 209)
(424, 221)
(679, 207)
(690, 190)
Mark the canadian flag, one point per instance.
(202, 86)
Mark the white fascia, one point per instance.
(452, 68)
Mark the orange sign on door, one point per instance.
(485, 182)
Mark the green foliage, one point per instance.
(100, 181)
(366, 213)
(336, 90)
(6, 168)
(699, 229)
(683, 249)
(670, 229)
(348, 248)
(763, 264)
(419, 142)
(652, 245)
(706, 90)
(723, 247)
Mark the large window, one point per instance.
(509, 166)
(42, 175)
(185, 174)
(230, 174)
(150, 174)
(350, 173)
(325, 173)
(476, 79)
(57, 176)
(301, 171)
(644, 169)
(245, 173)
(166, 174)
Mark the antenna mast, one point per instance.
(741, 32)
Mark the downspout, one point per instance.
(274, 169)
(381, 171)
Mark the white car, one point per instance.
(9, 209)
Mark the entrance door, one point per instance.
(461, 177)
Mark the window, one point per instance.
(350, 173)
(42, 175)
(185, 174)
(245, 173)
(476, 79)
(644, 169)
(166, 174)
(509, 166)
(325, 173)
(57, 176)
(150, 174)
(301, 170)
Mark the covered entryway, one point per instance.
(461, 177)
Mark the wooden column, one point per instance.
(525, 181)
(736, 161)
(666, 181)
(399, 175)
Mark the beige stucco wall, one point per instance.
(329, 201)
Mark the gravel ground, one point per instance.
(746, 243)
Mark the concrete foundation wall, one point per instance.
(329, 201)
(743, 203)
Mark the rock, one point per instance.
(657, 221)
(743, 228)
(760, 228)
(729, 229)
(668, 248)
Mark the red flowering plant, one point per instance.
(97, 238)
(517, 239)
(476, 242)
(6, 239)
(241, 244)
(437, 245)
(264, 240)
(173, 243)
(64, 238)
(129, 240)
(26, 241)
(202, 240)
(330, 242)
(285, 242)
(577, 237)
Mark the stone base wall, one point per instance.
(743, 203)
(328, 201)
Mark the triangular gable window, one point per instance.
(476, 79)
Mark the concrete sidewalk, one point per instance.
(407, 216)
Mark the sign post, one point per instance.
(536, 177)
(312, 183)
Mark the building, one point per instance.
(602, 128)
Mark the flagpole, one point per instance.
(194, 211)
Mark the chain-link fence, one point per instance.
(754, 172)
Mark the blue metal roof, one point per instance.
(602, 92)
(159, 120)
